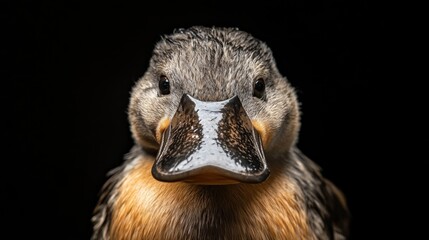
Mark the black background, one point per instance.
(70, 67)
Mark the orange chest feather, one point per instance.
(145, 208)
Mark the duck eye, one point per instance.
(259, 88)
(164, 85)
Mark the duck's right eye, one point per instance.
(164, 85)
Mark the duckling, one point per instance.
(215, 126)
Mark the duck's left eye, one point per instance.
(259, 88)
(164, 85)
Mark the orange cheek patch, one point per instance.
(162, 125)
(263, 131)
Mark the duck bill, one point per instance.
(210, 143)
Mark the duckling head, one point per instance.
(212, 108)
